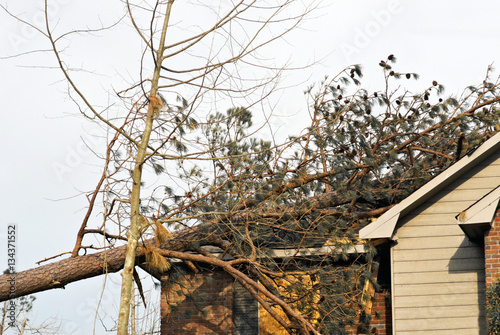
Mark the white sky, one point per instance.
(452, 42)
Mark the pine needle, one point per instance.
(161, 233)
(156, 104)
(156, 261)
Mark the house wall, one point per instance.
(201, 304)
(438, 279)
(492, 251)
(230, 311)
(381, 323)
(381, 314)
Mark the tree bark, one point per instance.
(135, 221)
(59, 274)
(66, 271)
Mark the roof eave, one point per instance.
(384, 226)
(477, 219)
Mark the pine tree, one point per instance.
(361, 154)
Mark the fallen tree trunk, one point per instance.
(186, 245)
(59, 274)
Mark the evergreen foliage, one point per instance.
(362, 153)
(306, 198)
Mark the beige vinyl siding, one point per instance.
(426, 313)
(438, 254)
(438, 274)
(430, 231)
(449, 326)
(439, 332)
(437, 277)
(439, 300)
(440, 242)
(438, 265)
(454, 288)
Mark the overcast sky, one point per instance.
(41, 131)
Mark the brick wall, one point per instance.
(201, 305)
(492, 251)
(381, 322)
(381, 314)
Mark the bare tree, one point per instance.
(15, 317)
(193, 62)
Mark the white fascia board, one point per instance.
(483, 210)
(324, 250)
(304, 252)
(384, 226)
